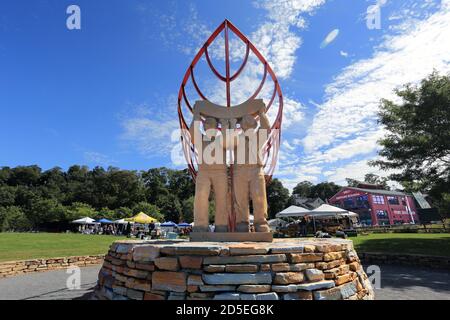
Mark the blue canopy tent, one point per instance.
(105, 221)
(184, 225)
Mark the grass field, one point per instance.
(434, 244)
(22, 246)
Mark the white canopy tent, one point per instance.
(85, 220)
(122, 221)
(293, 211)
(324, 211)
(327, 210)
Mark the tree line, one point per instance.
(34, 199)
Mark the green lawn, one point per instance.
(437, 244)
(24, 246)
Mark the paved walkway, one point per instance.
(412, 283)
(49, 285)
(397, 283)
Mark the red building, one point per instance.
(376, 206)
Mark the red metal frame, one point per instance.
(273, 143)
(272, 147)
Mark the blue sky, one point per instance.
(106, 94)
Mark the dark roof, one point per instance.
(308, 203)
(380, 191)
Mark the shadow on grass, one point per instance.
(433, 247)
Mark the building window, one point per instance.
(378, 199)
(393, 200)
(365, 218)
(349, 203)
(362, 201)
(382, 214)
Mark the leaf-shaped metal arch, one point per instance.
(272, 146)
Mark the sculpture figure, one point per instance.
(248, 175)
(212, 174)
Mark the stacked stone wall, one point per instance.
(282, 270)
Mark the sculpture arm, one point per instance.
(195, 125)
(264, 121)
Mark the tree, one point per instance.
(25, 175)
(156, 182)
(187, 210)
(170, 207)
(7, 196)
(79, 210)
(13, 219)
(277, 197)
(303, 189)
(45, 211)
(324, 190)
(417, 144)
(149, 209)
(418, 139)
(370, 178)
(181, 184)
(122, 212)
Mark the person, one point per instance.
(212, 174)
(303, 227)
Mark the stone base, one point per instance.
(231, 236)
(286, 269)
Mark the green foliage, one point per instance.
(170, 207)
(122, 213)
(277, 197)
(418, 140)
(187, 209)
(147, 208)
(78, 210)
(7, 196)
(371, 179)
(303, 189)
(323, 190)
(56, 196)
(13, 219)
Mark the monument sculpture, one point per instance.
(231, 153)
(245, 148)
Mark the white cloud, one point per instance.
(364, 144)
(356, 92)
(356, 170)
(98, 159)
(345, 127)
(148, 131)
(343, 53)
(329, 38)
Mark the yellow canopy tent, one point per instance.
(142, 218)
